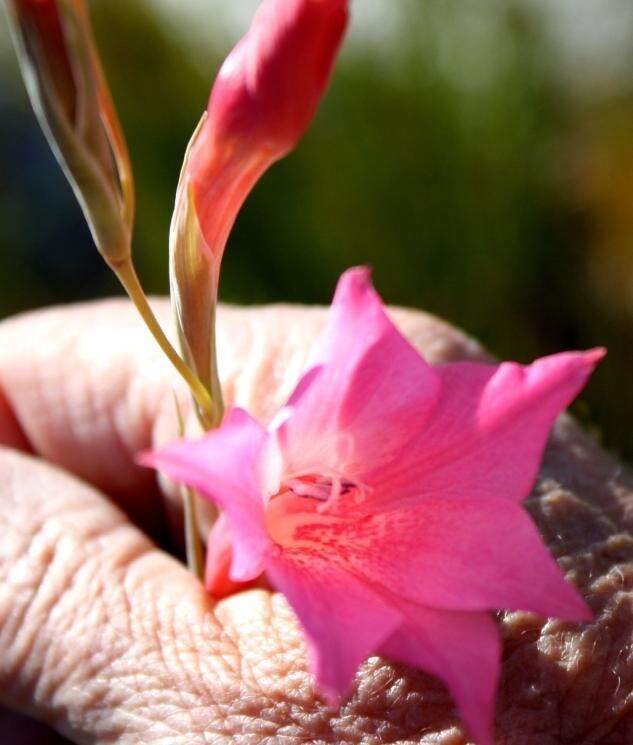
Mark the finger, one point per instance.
(72, 393)
(87, 387)
(582, 506)
(99, 632)
(109, 640)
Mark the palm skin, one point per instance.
(107, 638)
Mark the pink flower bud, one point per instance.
(263, 100)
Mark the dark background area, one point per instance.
(466, 153)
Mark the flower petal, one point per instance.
(224, 467)
(463, 650)
(487, 434)
(343, 619)
(270, 86)
(369, 392)
(476, 554)
(219, 560)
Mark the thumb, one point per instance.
(108, 639)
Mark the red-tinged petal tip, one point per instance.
(268, 89)
(42, 27)
(263, 100)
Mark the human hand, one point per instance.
(110, 640)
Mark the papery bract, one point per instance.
(264, 98)
(384, 501)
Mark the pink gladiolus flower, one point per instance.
(385, 499)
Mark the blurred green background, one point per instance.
(478, 153)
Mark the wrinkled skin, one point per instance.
(108, 639)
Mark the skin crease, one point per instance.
(109, 640)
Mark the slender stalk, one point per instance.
(205, 408)
(193, 545)
(204, 403)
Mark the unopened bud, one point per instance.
(264, 98)
(68, 91)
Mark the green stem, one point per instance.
(193, 544)
(204, 403)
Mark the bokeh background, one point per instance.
(478, 153)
